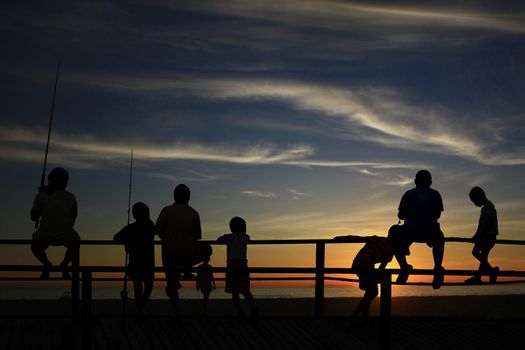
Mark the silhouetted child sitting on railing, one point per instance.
(205, 282)
(237, 274)
(485, 237)
(138, 241)
(376, 250)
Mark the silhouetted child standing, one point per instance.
(237, 274)
(138, 242)
(376, 250)
(205, 282)
(485, 237)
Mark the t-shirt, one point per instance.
(57, 212)
(420, 208)
(236, 245)
(488, 220)
(376, 250)
(138, 239)
(179, 228)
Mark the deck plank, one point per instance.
(221, 334)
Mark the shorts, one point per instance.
(368, 277)
(402, 238)
(237, 277)
(66, 238)
(484, 243)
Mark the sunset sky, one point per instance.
(307, 118)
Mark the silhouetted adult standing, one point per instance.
(420, 208)
(179, 228)
(56, 209)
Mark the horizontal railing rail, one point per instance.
(261, 241)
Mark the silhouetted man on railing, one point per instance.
(56, 209)
(179, 228)
(420, 208)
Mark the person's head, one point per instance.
(423, 178)
(394, 235)
(140, 211)
(182, 194)
(58, 179)
(477, 196)
(238, 225)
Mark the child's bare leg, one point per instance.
(251, 302)
(137, 291)
(364, 305)
(148, 287)
(237, 302)
(205, 298)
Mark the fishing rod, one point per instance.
(124, 292)
(51, 113)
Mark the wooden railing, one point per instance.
(82, 278)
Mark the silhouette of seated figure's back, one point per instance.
(56, 209)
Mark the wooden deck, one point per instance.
(269, 333)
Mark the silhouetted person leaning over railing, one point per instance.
(485, 237)
(138, 240)
(56, 210)
(179, 228)
(237, 274)
(420, 208)
(377, 250)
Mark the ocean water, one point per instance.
(113, 292)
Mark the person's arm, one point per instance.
(120, 237)
(402, 211)
(439, 207)
(486, 221)
(74, 212)
(212, 278)
(197, 230)
(36, 209)
(160, 226)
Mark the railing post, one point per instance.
(75, 284)
(385, 310)
(319, 279)
(86, 309)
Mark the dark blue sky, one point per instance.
(308, 118)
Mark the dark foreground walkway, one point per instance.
(268, 333)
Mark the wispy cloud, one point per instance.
(18, 143)
(380, 114)
(345, 14)
(297, 195)
(196, 176)
(259, 194)
(91, 150)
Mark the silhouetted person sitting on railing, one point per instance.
(485, 237)
(56, 209)
(377, 250)
(205, 282)
(179, 228)
(237, 274)
(138, 239)
(420, 208)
